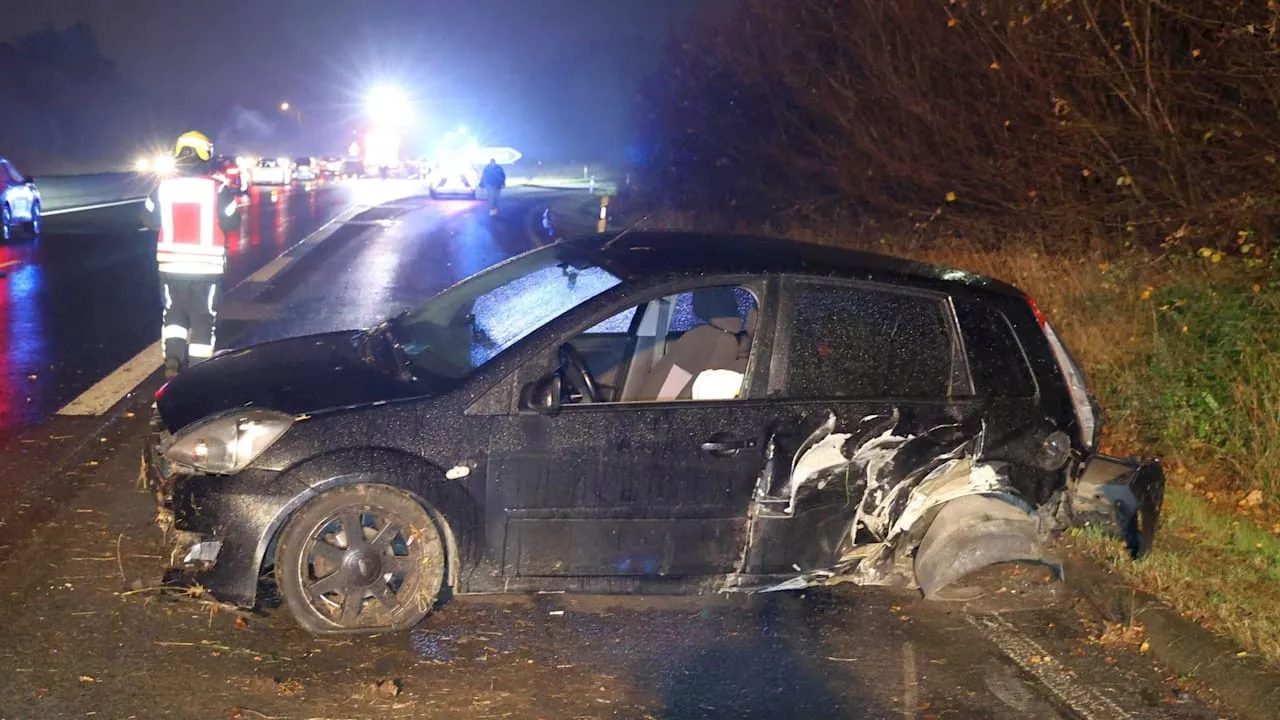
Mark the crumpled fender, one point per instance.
(973, 532)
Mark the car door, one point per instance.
(7, 194)
(858, 370)
(638, 487)
(19, 194)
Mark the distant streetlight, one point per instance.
(285, 108)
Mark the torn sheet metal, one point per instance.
(898, 482)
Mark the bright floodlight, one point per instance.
(284, 107)
(387, 104)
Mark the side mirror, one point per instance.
(542, 396)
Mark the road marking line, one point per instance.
(1020, 648)
(109, 390)
(268, 271)
(910, 682)
(86, 208)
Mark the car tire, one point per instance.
(387, 580)
(6, 223)
(33, 225)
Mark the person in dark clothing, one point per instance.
(194, 211)
(492, 180)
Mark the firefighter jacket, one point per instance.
(194, 215)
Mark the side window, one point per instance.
(693, 345)
(685, 318)
(996, 358)
(855, 342)
(620, 323)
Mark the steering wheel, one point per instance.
(576, 372)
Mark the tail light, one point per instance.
(1085, 411)
(160, 392)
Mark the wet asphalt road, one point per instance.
(84, 298)
(88, 632)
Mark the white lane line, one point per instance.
(910, 682)
(108, 391)
(1021, 649)
(270, 270)
(86, 208)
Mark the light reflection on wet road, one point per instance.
(425, 246)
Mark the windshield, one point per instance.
(472, 322)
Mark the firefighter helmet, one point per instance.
(196, 142)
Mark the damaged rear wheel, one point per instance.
(361, 558)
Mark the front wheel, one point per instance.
(362, 558)
(33, 225)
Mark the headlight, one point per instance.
(142, 165)
(164, 164)
(227, 443)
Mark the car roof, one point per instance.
(639, 254)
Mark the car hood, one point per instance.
(298, 375)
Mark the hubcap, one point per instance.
(361, 566)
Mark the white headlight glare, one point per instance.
(229, 442)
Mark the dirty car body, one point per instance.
(646, 412)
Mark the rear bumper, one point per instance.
(1124, 494)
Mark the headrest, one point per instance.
(714, 303)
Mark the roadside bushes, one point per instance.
(1215, 378)
(1135, 117)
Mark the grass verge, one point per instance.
(1220, 571)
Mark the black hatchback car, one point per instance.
(640, 413)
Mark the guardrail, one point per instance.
(67, 193)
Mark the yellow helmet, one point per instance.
(198, 142)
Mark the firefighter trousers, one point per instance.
(190, 318)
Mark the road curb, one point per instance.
(1243, 682)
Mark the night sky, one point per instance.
(553, 78)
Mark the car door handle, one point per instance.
(726, 447)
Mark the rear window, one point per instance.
(856, 342)
(997, 362)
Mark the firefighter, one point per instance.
(194, 211)
(492, 180)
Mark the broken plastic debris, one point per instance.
(388, 688)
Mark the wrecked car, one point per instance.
(644, 412)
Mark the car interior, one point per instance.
(693, 345)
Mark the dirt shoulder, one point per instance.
(88, 629)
